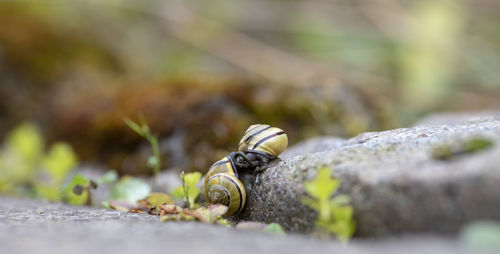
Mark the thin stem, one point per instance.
(156, 153)
(186, 190)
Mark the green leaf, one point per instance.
(135, 127)
(334, 213)
(482, 235)
(18, 161)
(48, 192)
(339, 200)
(106, 204)
(341, 212)
(313, 203)
(110, 177)
(274, 228)
(190, 180)
(158, 199)
(69, 196)
(130, 189)
(224, 222)
(323, 186)
(27, 141)
(59, 162)
(178, 192)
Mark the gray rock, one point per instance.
(313, 145)
(395, 183)
(28, 226)
(459, 117)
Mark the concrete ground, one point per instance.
(29, 226)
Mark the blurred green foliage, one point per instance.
(130, 189)
(158, 199)
(205, 71)
(154, 161)
(25, 168)
(274, 228)
(334, 213)
(81, 198)
(481, 236)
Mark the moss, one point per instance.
(477, 144)
(443, 152)
(472, 145)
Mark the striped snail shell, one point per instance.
(222, 186)
(264, 139)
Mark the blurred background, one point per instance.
(200, 72)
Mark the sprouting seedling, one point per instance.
(144, 131)
(334, 213)
(78, 189)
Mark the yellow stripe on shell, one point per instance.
(273, 146)
(251, 131)
(221, 166)
(226, 189)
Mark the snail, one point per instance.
(257, 147)
(262, 143)
(222, 186)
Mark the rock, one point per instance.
(394, 181)
(459, 117)
(28, 226)
(313, 145)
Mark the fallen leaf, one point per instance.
(210, 213)
(171, 209)
(158, 199)
(121, 205)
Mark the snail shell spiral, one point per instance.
(222, 186)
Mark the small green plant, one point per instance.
(481, 236)
(130, 189)
(78, 191)
(274, 228)
(188, 191)
(142, 128)
(25, 168)
(334, 213)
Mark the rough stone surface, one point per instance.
(28, 226)
(459, 117)
(393, 180)
(313, 145)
